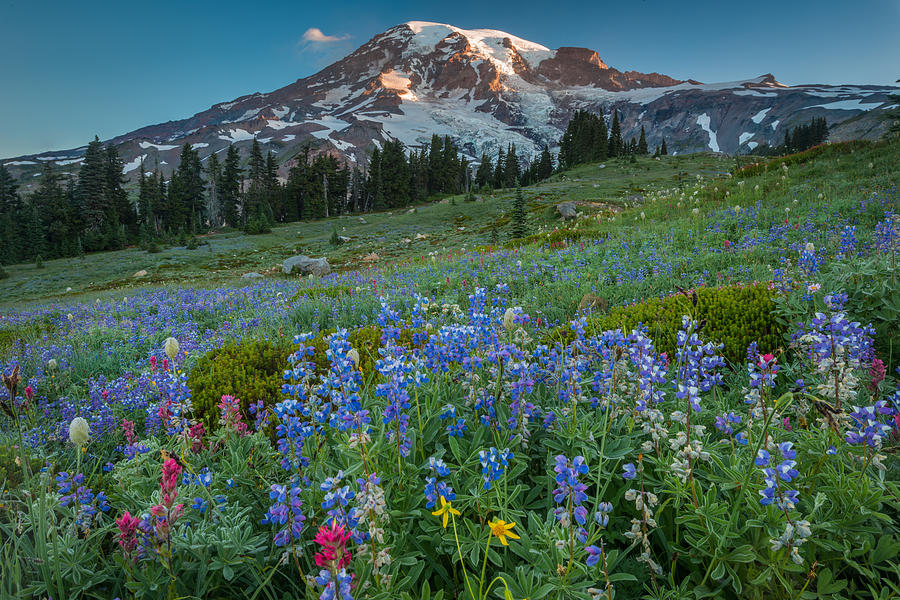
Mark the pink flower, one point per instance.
(170, 472)
(877, 372)
(766, 360)
(334, 553)
(128, 430)
(153, 362)
(29, 392)
(127, 529)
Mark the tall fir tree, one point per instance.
(484, 175)
(663, 150)
(214, 213)
(56, 214)
(616, 147)
(230, 188)
(544, 164)
(11, 244)
(642, 148)
(122, 220)
(92, 198)
(518, 218)
(511, 172)
(499, 170)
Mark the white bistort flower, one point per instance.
(79, 431)
(171, 347)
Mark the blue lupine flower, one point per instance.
(493, 464)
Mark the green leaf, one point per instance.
(228, 573)
(614, 577)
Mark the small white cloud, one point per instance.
(314, 34)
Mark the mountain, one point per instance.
(486, 89)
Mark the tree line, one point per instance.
(68, 216)
(588, 139)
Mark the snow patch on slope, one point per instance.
(758, 117)
(849, 105)
(744, 137)
(703, 121)
(131, 166)
(237, 135)
(160, 147)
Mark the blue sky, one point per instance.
(75, 69)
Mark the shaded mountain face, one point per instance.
(485, 89)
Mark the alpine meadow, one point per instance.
(456, 317)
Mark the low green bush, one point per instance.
(252, 370)
(735, 316)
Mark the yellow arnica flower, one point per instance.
(502, 530)
(445, 511)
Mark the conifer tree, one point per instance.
(519, 216)
(544, 165)
(511, 172)
(92, 198)
(663, 150)
(214, 213)
(10, 209)
(484, 174)
(642, 144)
(230, 187)
(55, 212)
(615, 145)
(121, 211)
(499, 169)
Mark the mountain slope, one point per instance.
(486, 89)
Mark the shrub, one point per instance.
(257, 227)
(252, 370)
(734, 316)
(192, 243)
(3, 273)
(249, 370)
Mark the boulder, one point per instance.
(141, 273)
(593, 303)
(305, 265)
(566, 210)
(371, 257)
(343, 239)
(252, 275)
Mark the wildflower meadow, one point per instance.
(455, 427)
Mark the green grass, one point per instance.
(450, 224)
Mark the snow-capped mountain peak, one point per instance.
(486, 89)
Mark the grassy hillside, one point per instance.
(450, 225)
(728, 429)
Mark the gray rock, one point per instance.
(566, 210)
(252, 275)
(305, 265)
(343, 239)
